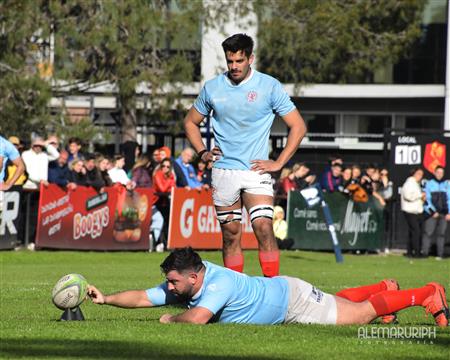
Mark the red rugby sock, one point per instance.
(387, 302)
(361, 293)
(270, 263)
(234, 262)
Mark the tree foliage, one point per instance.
(334, 41)
(23, 94)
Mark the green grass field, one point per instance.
(30, 330)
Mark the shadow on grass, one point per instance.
(299, 257)
(103, 349)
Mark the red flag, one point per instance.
(435, 155)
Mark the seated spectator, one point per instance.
(77, 173)
(185, 172)
(280, 229)
(36, 163)
(204, 170)
(103, 164)
(74, 149)
(331, 180)
(59, 173)
(356, 174)
(118, 174)
(141, 172)
(93, 176)
(303, 178)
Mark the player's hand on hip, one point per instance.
(165, 319)
(96, 295)
(212, 155)
(265, 166)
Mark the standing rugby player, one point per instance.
(243, 103)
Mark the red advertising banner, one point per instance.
(116, 219)
(193, 222)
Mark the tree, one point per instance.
(334, 41)
(127, 44)
(24, 96)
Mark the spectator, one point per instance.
(156, 159)
(437, 210)
(412, 199)
(54, 141)
(141, 172)
(280, 229)
(163, 182)
(77, 173)
(386, 189)
(280, 191)
(303, 178)
(375, 183)
(58, 171)
(74, 148)
(331, 180)
(36, 163)
(204, 172)
(164, 152)
(131, 151)
(93, 176)
(103, 167)
(118, 174)
(11, 168)
(346, 180)
(185, 172)
(356, 174)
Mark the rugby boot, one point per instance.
(436, 304)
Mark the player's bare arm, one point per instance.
(19, 171)
(191, 126)
(297, 130)
(197, 315)
(126, 299)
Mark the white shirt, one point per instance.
(36, 165)
(411, 197)
(118, 176)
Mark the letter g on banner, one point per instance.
(186, 218)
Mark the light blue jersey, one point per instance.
(242, 116)
(7, 152)
(234, 297)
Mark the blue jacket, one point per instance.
(57, 174)
(189, 174)
(330, 183)
(435, 190)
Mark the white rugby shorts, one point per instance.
(228, 184)
(309, 305)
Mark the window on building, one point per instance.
(322, 125)
(373, 125)
(424, 122)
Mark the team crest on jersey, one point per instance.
(251, 96)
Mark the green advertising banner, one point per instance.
(359, 226)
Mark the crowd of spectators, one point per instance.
(48, 161)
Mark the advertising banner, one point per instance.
(193, 222)
(359, 226)
(116, 219)
(9, 216)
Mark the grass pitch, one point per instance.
(29, 328)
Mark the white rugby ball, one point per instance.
(70, 291)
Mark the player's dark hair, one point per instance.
(439, 167)
(239, 42)
(185, 259)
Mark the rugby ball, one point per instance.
(69, 291)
